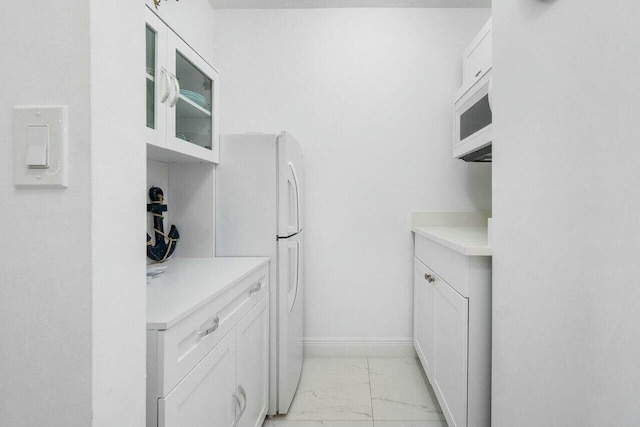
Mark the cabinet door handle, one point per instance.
(242, 405)
(244, 399)
(478, 73)
(429, 278)
(176, 86)
(255, 289)
(236, 405)
(167, 85)
(204, 333)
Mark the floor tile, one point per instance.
(332, 390)
(281, 422)
(328, 366)
(400, 391)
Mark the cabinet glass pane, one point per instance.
(194, 108)
(150, 75)
(478, 116)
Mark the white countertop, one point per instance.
(464, 232)
(189, 283)
(470, 241)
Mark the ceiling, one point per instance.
(306, 4)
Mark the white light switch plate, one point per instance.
(55, 118)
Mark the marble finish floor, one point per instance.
(362, 392)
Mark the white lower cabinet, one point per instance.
(252, 364)
(451, 320)
(206, 396)
(452, 330)
(424, 330)
(211, 369)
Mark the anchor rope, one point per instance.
(170, 245)
(158, 202)
(166, 254)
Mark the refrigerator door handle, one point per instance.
(296, 280)
(295, 182)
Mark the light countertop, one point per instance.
(463, 232)
(189, 283)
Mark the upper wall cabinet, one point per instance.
(476, 60)
(182, 99)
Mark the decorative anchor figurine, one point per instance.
(162, 250)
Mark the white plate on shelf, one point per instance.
(154, 271)
(195, 97)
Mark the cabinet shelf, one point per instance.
(180, 151)
(192, 109)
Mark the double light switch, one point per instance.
(40, 146)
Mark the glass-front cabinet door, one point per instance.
(150, 74)
(193, 113)
(181, 99)
(157, 79)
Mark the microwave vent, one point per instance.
(483, 155)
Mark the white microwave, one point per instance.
(473, 125)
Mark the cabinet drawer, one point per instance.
(182, 346)
(452, 266)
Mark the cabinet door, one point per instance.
(477, 58)
(424, 316)
(452, 315)
(206, 397)
(252, 367)
(157, 80)
(193, 112)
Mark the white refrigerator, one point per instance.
(259, 212)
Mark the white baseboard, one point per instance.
(359, 347)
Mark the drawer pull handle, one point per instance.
(478, 73)
(255, 289)
(202, 334)
(242, 405)
(429, 278)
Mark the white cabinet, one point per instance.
(451, 319)
(229, 387)
(252, 363)
(210, 367)
(424, 324)
(208, 393)
(452, 329)
(182, 99)
(477, 58)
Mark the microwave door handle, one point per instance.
(489, 92)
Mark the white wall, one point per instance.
(72, 293)
(45, 254)
(118, 213)
(368, 92)
(566, 214)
